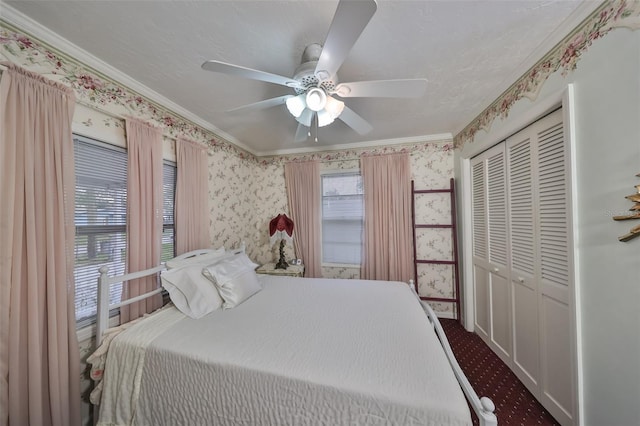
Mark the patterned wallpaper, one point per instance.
(230, 199)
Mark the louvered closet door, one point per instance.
(491, 289)
(540, 275)
(480, 247)
(524, 287)
(498, 255)
(555, 270)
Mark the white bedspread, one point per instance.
(300, 352)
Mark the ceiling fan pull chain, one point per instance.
(316, 120)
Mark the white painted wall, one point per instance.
(607, 153)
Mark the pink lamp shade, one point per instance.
(280, 228)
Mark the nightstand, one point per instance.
(291, 271)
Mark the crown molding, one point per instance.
(436, 138)
(16, 18)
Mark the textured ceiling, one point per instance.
(470, 51)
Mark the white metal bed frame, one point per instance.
(483, 407)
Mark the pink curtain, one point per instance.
(192, 197)
(39, 358)
(144, 214)
(303, 191)
(387, 253)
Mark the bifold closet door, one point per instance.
(522, 251)
(491, 257)
(541, 269)
(524, 282)
(556, 281)
(480, 253)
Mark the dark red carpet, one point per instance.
(490, 377)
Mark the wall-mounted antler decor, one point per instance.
(635, 231)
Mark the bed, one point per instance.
(299, 351)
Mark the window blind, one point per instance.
(342, 218)
(100, 220)
(168, 229)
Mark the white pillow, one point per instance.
(192, 293)
(203, 259)
(236, 282)
(245, 259)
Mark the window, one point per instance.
(342, 218)
(101, 220)
(168, 230)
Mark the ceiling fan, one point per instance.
(315, 81)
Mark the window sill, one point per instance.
(341, 265)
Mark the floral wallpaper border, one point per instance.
(564, 56)
(445, 145)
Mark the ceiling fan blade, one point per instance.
(411, 88)
(237, 70)
(353, 120)
(267, 103)
(302, 133)
(350, 19)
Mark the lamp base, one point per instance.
(282, 263)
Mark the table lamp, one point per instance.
(281, 228)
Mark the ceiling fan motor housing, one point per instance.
(306, 72)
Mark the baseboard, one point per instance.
(446, 315)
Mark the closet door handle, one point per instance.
(520, 279)
(496, 270)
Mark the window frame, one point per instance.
(353, 171)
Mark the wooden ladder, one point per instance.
(454, 244)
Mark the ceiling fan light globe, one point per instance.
(324, 118)
(296, 105)
(316, 99)
(334, 107)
